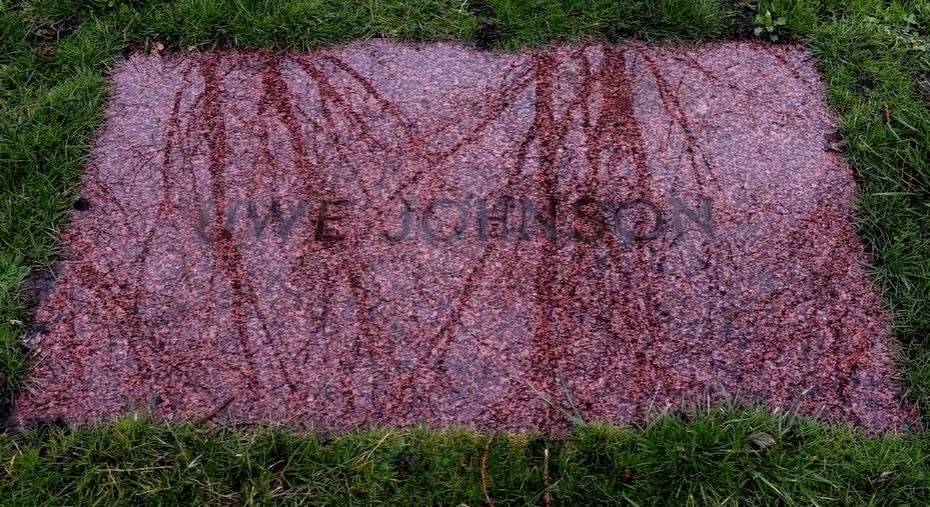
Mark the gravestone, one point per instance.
(386, 234)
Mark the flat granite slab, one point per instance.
(386, 234)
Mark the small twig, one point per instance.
(218, 409)
(576, 417)
(540, 395)
(140, 469)
(484, 473)
(369, 453)
(547, 499)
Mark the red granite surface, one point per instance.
(703, 244)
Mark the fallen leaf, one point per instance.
(762, 440)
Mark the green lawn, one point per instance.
(875, 56)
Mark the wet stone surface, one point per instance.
(388, 234)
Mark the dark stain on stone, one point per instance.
(81, 204)
(39, 284)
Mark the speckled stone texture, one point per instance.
(320, 240)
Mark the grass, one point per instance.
(875, 56)
(728, 455)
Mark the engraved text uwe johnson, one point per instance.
(442, 220)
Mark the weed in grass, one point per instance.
(767, 26)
